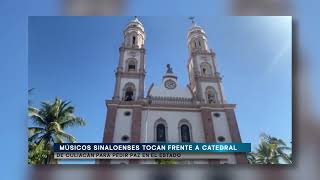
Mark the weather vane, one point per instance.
(192, 19)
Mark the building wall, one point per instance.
(172, 119)
(122, 126)
(221, 127)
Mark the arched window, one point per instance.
(197, 43)
(133, 40)
(131, 65)
(184, 131)
(161, 130)
(161, 133)
(205, 69)
(211, 95)
(129, 92)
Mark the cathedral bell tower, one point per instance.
(205, 80)
(124, 111)
(130, 73)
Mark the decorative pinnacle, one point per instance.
(169, 68)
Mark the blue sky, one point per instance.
(14, 82)
(75, 58)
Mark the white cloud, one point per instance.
(281, 57)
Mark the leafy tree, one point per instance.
(271, 150)
(50, 121)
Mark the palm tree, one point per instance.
(50, 121)
(271, 150)
(251, 158)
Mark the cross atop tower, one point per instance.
(192, 19)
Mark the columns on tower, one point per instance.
(136, 124)
(235, 134)
(110, 124)
(207, 123)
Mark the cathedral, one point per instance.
(169, 112)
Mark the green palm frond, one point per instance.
(34, 133)
(34, 137)
(59, 139)
(251, 158)
(66, 136)
(270, 151)
(74, 121)
(35, 115)
(33, 130)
